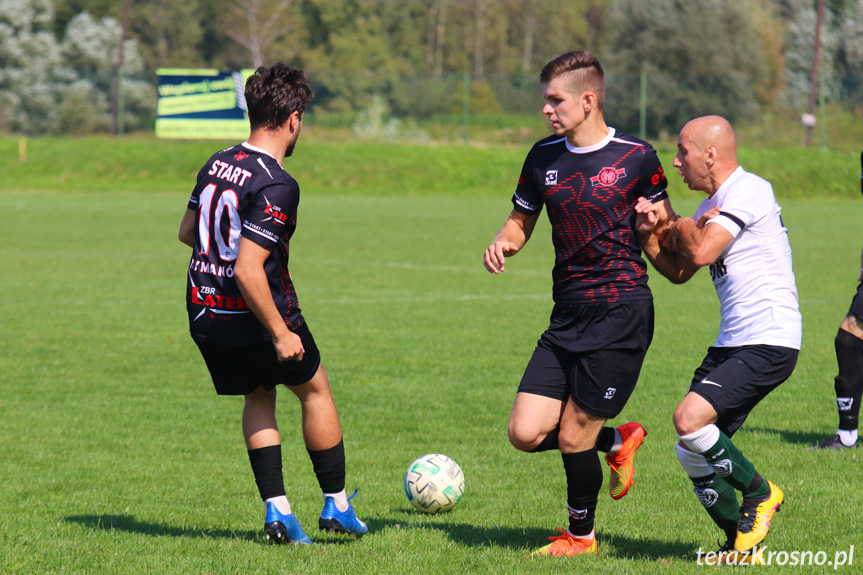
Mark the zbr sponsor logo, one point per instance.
(275, 212)
(551, 178)
(608, 176)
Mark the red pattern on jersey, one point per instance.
(592, 233)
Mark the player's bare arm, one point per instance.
(653, 219)
(702, 245)
(252, 280)
(187, 228)
(654, 224)
(509, 240)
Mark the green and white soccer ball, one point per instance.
(434, 483)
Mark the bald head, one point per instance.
(706, 153)
(713, 131)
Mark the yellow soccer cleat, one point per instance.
(727, 555)
(755, 518)
(622, 473)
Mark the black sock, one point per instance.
(849, 382)
(329, 466)
(605, 439)
(758, 488)
(583, 482)
(548, 442)
(267, 467)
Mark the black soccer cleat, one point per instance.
(834, 442)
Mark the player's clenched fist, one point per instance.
(289, 347)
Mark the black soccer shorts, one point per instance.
(734, 379)
(241, 369)
(592, 353)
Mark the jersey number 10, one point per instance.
(209, 222)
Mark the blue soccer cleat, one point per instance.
(281, 528)
(341, 521)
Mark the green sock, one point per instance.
(720, 501)
(730, 464)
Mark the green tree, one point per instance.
(66, 10)
(352, 53)
(851, 38)
(801, 20)
(30, 66)
(90, 48)
(700, 57)
(169, 33)
(263, 31)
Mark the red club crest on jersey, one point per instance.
(608, 176)
(240, 156)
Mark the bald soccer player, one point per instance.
(738, 233)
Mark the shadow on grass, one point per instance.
(518, 539)
(128, 524)
(528, 539)
(806, 438)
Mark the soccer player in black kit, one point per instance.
(243, 309)
(585, 366)
(849, 355)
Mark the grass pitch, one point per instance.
(117, 456)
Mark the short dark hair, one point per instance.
(583, 71)
(274, 93)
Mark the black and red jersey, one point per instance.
(590, 194)
(241, 192)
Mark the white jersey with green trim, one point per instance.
(753, 276)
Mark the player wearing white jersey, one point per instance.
(753, 276)
(738, 232)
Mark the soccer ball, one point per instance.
(434, 483)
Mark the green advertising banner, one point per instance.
(197, 103)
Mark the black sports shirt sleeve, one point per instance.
(653, 184)
(527, 198)
(270, 213)
(193, 199)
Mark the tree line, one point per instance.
(61, 61)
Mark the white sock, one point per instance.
(847, 437)
(340, 499)
(618, 442)
(693, 463)
(590, 535)
(281, 503)
(701, 440)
